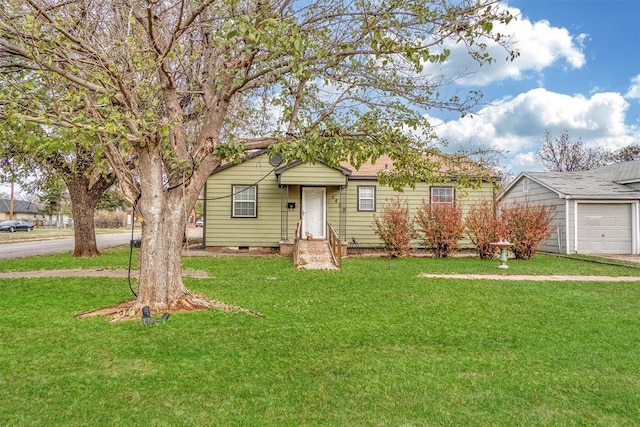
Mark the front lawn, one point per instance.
(372, 344)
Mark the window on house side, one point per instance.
(442, 196)
(366, 198)
(245, 201)
(525, 185)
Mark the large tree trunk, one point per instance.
(84, 198)
(163, 213)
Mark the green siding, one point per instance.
(312, 175)
(293, 215)
(265, 231)
(333, 207)
(221, 228)
(360, 224)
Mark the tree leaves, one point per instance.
(328, 80)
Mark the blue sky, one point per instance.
(578, 70)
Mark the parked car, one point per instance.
(199, 223)
(12, 225)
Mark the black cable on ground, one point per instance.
(133, 223)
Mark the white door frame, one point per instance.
(318, 230)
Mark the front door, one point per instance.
(313, 212)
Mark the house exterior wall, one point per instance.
(360, 224)
(294, 195)
(333, 207)
(17, 215)
(221, 230)
(22, 210)
(316, 175)
(25, 216)
(275, 220)
(529, 191)
(312, 175)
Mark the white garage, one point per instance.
(595, 211)
(604, 228)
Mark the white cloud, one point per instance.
(525, 161)
(634, 89)
(517, 125)
(541, 45)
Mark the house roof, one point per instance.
(447, 164)
(606, 182)
(19, 206)
(370, 169)
(251, 155)
(623, 173)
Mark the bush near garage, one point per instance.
(527, 225)
(483, 228)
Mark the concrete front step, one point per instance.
(315, 255)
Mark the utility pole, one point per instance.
(11, 202)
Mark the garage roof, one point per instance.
(610, 182)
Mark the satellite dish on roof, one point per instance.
(275, 160)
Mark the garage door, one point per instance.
(604, 228)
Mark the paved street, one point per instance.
(41, 247)
(66, 244)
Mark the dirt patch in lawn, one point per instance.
(126, 311)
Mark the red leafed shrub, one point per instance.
(442, 228)
(394, 227)
(527, 226)
(483, 228)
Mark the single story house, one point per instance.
(22, 209)
(258, 203)
(596, 211)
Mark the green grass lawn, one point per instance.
(371, 344)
